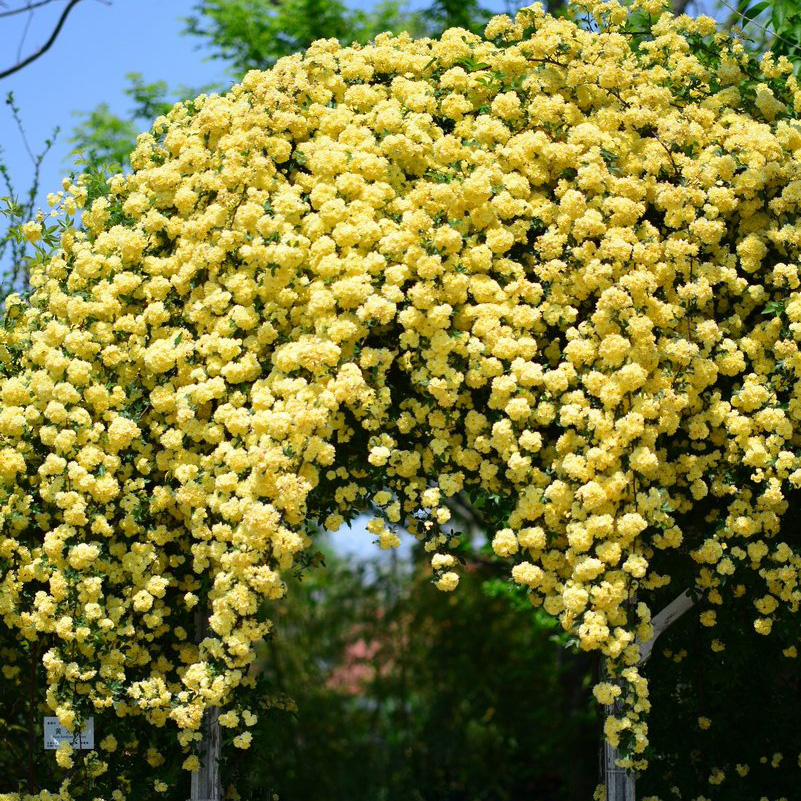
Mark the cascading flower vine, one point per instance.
(543, 268)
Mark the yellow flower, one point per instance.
(447, 581)
(243, 740)
(373, 309)
(606, 693)
(708, 618)
(32, 230)
(505, 543)
(64, 754)
(191, 763)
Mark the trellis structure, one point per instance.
(544, 268)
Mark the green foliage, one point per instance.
(773, 25)
(150, 99)
(254, 34)
(103, 136)
(444, 14)
(104, 140)
(398, 699)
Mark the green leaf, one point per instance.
(778, 15)
(755, 10)
(470, 64)
(775, 308)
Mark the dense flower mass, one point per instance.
(543, 268)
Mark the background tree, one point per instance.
(393, 699)
(773, 25)
(253, 34)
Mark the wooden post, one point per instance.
(670, 614)
(206, 785)
(620, 785)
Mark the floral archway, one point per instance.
(554, 269)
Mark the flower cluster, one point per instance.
(542, 268)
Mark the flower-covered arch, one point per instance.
(545, 268)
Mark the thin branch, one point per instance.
(24, 34)
(47, 45)
(23, 9)
(15, 112)
(736, 14)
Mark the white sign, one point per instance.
(54, 733)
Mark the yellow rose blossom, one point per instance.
(567, 296)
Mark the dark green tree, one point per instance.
(254, 34)
(394, 698)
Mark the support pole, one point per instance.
(206, 785)
(669, 615)
(620, 785)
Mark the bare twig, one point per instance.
(46, 46)
(20, 127)
(737, 14)
(23, 9)
(24, 34)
